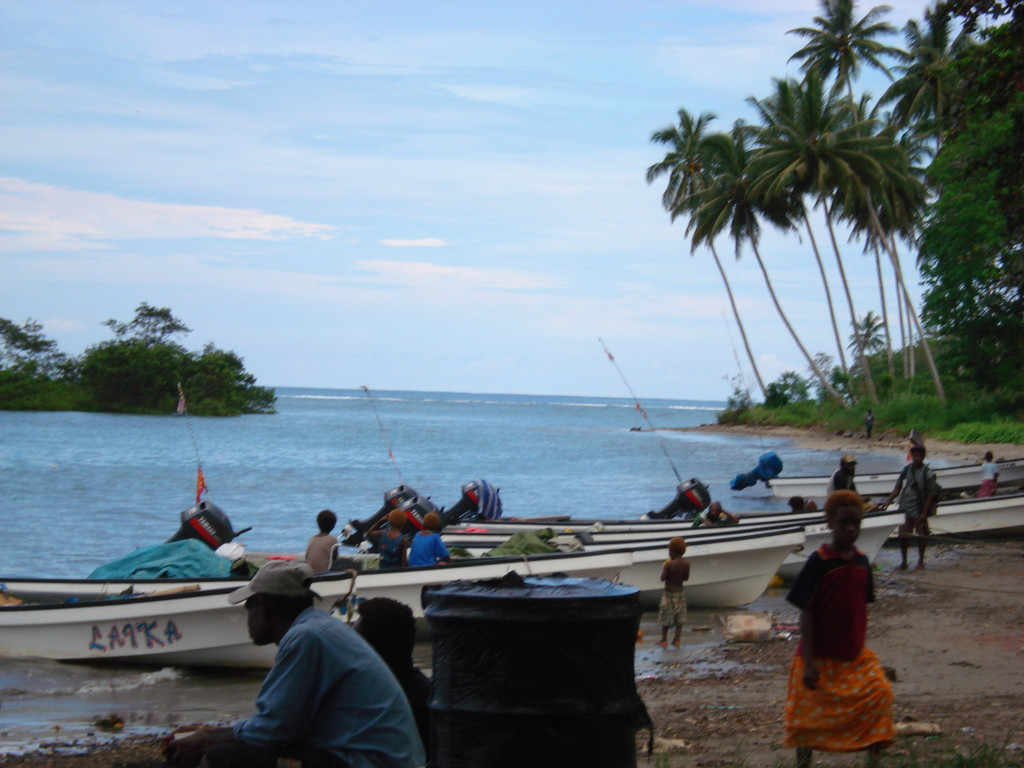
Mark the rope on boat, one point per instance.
(387, 442)
(344, 601)
(640, 410)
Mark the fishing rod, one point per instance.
(387, 442)
(201, 486)
(640, 409)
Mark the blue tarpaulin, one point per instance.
(188, 559)
(768, 467)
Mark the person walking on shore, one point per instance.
(989, 477)
(837, 696)
(869, 423)
(919, 495)
(672, 608)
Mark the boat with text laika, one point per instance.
(191, 623)
(964, 477)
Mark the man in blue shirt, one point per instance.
(329, 700)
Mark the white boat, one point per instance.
(875, 529)
(726, 571)
(198, 627)
(960, 478)
(991, 517)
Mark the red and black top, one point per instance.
(836, 591)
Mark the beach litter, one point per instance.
(746, 626)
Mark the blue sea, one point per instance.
(82, 489)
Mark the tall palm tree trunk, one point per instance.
(865, 368)
(736, 314)
(778, 307)
(828, 294)
(925, 346)
(885, 313)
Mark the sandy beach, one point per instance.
(953, 636)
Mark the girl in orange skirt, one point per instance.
(838, 698)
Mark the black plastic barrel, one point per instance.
(533, 672)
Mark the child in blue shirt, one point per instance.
(427, 547)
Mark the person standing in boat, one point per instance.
(842, 478)
(320, 548)
(714, 516)
(837, 697)
(392, 543)
(427, 547)
(919, 495)
(989, 476)
(329, 701)
(672, 608)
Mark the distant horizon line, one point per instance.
(708, 401)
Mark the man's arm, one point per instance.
(188, 750)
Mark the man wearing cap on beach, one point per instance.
(842, 478)
(919, 494)
(329, 701)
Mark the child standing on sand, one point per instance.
(672, 609)
(838, 698)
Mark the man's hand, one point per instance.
(184, 748)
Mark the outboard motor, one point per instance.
(355, 531)
(692, 497)
(208, 523)
(479, 501)
(415, 510)
(768, 467)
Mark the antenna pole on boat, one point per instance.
(640, 409)
(201, 486)
(384, 432)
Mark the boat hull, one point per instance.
(201, 628)
(960, 478)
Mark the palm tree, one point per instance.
(728, 202)
(870, 333)
(809, 145)
(921, 96)
(685, 165)
(839, 45)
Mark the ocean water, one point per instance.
(78, 490)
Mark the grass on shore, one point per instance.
(958, 421)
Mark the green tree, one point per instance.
(790, 387)
(685, 164)
(25, 351)
(728, 203)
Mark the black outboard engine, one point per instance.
(208, 523)
(355, 531)
(415, 510)
(692, 497)
(479, 501)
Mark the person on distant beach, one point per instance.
(919, 495)
(869, 422)
(800, 504)
(427, 547)
(713, 516)
(837, 697)
(329, 701)
(672, 608)
(842, 478)
(392, 543)
(390, 629)
(989, 477)
(320, 548)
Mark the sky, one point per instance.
(439, 196)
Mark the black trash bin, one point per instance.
(533, 672)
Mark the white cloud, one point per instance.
(430, 276)
(45, 218)
(423, 242)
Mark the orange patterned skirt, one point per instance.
(850, 710)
